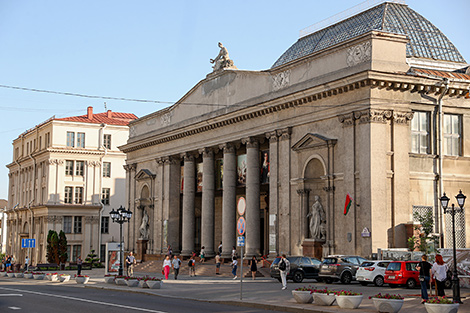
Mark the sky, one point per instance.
(150, 50)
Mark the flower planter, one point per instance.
(302, 296)
(11, 275)
(19, 275)
(28, 275)
(120, 281)
(349, 302)
(52, 277)
(154, 284)
(82, 280)
(38, 276)
(3, 274)
(64, 278)
(388, 305)
(441, 308)
(143, 284)
(109, 279)
(323, 298)
(132, 282)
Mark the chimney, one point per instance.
(109, 114)
(90, 113)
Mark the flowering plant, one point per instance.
(130, 278)
(142, 278)
(120, 276)
(10, 271)
(347, 293)
(52, 274)
(309, 288)
(442, 300)
(152, 279)
(387, 296)
(325, 291)
(109, 275)
(64, 275)
(82, 276)
(38, 273)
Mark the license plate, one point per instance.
(391, 277)
(359, 278)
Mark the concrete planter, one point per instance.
(302, 296)
(120, 281)
(82, 280)
(154, 284)
(3, 274)
(441, 308)
(142, 284)
(132, 282)
(64, 278)
(11, 275)
(388, 305)
(349, 302)
(52, 277)
(19, 275)
(38, 276)
(28, 275)
(323, 299)
(109, 279)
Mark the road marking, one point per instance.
(10, 295)
(14, 308)
(84, 300)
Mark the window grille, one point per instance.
(460, 241)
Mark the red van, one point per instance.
(399, 273)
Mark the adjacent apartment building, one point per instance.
(67, 174)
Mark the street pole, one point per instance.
(455, 278)
(120, 250)
(241, 275)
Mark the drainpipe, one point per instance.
(16, 222)
(103, 126)
(438, 217)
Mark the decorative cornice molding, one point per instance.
(55, 161)
(402, 117)
(93, 163)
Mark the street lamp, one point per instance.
(120, 216)
(445, 202)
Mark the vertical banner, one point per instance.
(265, 167)
(199, 177)
(219, 174)
(241, 170)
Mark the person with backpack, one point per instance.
(192, 267)
(176, 263)
(284, 268)
(424, 268)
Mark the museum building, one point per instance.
(350, 112)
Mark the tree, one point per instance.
(92, 258)
(425, 241)
(52, 247)
(63, 255)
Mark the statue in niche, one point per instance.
(222, 60)
(317, 220)
(144, 227)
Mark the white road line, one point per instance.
(10, 295)
(14, 308)
(84, 300)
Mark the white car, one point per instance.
(372, 272)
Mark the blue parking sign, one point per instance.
(28, 243)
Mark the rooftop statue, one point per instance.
(222, 60)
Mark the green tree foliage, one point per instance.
(63, 256)
(92, 258)
(425, 242)
(49, 249)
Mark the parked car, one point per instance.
(402, 273)
(372, 272)
(301, 268)
(340, 267)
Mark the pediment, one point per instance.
(144, 174)
(313, 141)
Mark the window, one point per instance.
(81, 140)
(77, 224)
(105, 194)
(105, 224)
(40, 142)
(452, 134)
(106, 169)
(107, 141)
(103, 253)
(76, 252)
(78, 195)
(68, 194)
(79, 166)
(70, 139)
(68, 167)
(420, 133)
(67, 224)
(48, 140)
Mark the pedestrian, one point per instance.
(8, 262)
(26, 262)
(439, 272)
(3, 263)
(284, 268)
(234, 252)
(424, 268)
(220, 247)
(217, 263)
(166, 266)
(169, 251)
(253, 267)
(192, 267)
(202, 255)
(176, 265)
(234, 267)
(79, 265)
(130, 262)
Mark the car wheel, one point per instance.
(346, 278)
(410, 283)
(379, 281)
(393, 285)
(447, 284)
(298, 277)
(363, 283)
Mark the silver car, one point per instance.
(340, 267)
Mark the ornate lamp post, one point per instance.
(444, 202)
(120, 216)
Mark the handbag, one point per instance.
(163, 272)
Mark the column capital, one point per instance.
(285, 133)
(250, 142)
(403, 118)
(187, 156)
(303, 191)
(130, 167)
(160, 161)
(271, 136)
(227, 147)
(206, 152)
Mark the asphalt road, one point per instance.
(43, 298)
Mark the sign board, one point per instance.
(241, 206)
(112, 257)
(240, 241)
(241, 226)
(28, 243)
(365, 232)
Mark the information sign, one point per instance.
(28, 243)
(240, 241)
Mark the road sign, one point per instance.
(28, 243)
(241, 225)
(240, 241)
(241, 206)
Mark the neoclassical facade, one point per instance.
(67, 174)
(351, 109)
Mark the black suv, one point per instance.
(300, 267)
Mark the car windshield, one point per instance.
(367, 264)
(394, 266)
(329, 261)
(276, 260)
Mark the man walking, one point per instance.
(26, 262)
(284, 268)
(176, 263)
(79, 265)
(130, 262)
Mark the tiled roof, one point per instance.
(440, 74)
(116, 118)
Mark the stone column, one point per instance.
(252, 197)
(229, 199)
(284, 217)
(208, 196)
(273, 193)
(189, 193)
